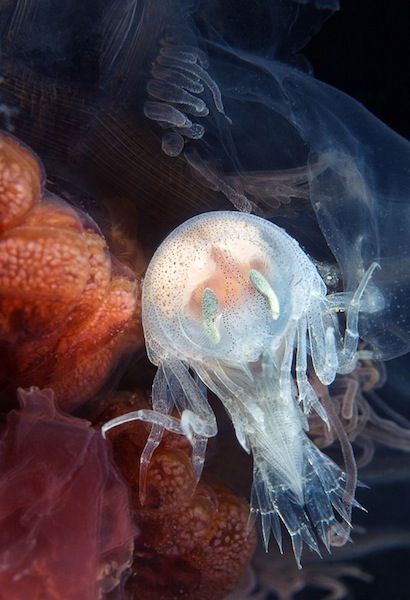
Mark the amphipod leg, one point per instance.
(198, 421)
(162, 403)
(307, 395)
(159, 422)
(351, 337)
(169, 423)
(263, 287)
(173, 386)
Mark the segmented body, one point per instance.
(232, 301)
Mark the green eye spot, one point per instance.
(210, 310)
(262, 286)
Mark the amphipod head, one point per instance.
(225, 286)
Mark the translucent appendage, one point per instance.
(351, 338)
(305, 515)
(307, 395)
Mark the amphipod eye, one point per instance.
(210, 309)
(262, 286)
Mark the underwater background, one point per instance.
(105, 159)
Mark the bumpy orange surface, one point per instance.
(68, 309)
(194, 541)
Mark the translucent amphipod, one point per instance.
(232, 301)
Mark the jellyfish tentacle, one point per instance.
(172, 143)
(164, 113)
(177, 60)
(179, 77)
(194, 132)
(188, 54)
(217, 182)
(172, 94)
(182, 80)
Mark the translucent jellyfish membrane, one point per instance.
(66, 529)
(232, 301)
